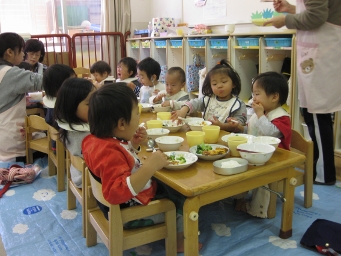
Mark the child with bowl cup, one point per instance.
(270, 92)
(221, 88)
(174, 95)
(110, 152)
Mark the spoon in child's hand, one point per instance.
(151, 144)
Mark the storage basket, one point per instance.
(218, 43)
(134, 44)
(160, 43)
(145, 44)
(278, 42)
(176, 43)
(248, 41)
(196, 43)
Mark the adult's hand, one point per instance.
(277, 22)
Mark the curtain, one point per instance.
(115, 17)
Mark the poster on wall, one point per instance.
(199, 3)
(215, 9)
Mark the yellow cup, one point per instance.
(179, 32)
(154, 124)
(211, 133)
(233, 142)
(195, 138)
(164, 115)
(140, 108)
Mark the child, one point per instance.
(149, 71)
(270, 92)
(71, 114)
(221, 88)
(34, 55)
(126, 72)
(14, 84)
(173, 95)
(110, 150)
(53, 78)
(101, 71)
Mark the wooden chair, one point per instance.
(35, 111)
(35, 123)
(82, 72)
(112, 233)
(73, 192)
(303, 176)
(57, 162)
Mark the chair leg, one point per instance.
(61, 174)
(273, 199)
(171, 245)
(52, 167)
(91, 234)
(308, 189)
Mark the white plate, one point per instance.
(146, 107)
(190, 159)
(172, 126)
(193, 150)
(248, 136)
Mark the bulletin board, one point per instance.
(219, 12)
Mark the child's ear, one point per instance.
(121, 124)
(153, 78)
(275, 97)
(130, 73)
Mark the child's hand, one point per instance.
(139, 137)
(166, 103)
(258, 108)
(159, 97)
(156, 91)
(215, 121)
(157, 160)
(234, 124)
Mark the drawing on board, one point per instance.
(199, 2)
(215, 9)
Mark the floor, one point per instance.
(50, 229)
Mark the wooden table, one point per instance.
(202, 186)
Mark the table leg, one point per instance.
(190, 216)
(288, 207)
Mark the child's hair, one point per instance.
(34, 45)
(273, 82)
(53, 78)
(179, 71)
(223, 67)
(100, 67)
(25, 65)
(12, 41)
(72, 92)
(150, 66)
(107, 106)
(131, 64)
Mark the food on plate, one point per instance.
(173, 123)
(203, 147)
(207, 150)
(175, 160)
(230, 164)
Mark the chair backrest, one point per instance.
(97, 190)
(82, 72)
(298, 142)
(35, 111)
(35, 123)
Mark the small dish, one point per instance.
(221, 166)
(172, 126)
(156, 133)
(169, 143)
(146, 107)
(273, 141)
(197, 125)
(190, 159)
(193, 150)
(190, 119)
(159, 108)
(260, 22)
(248, 136)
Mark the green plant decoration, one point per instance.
(267, 14)
(257, 15)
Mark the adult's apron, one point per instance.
(12, 139)
(318, 69)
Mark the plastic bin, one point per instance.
(145, 44)
(160, 43)
(218, 43)
(278, 42)
(248, 41)
(196, 43)
(176, 43)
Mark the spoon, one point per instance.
(151, 144)
(247, 151)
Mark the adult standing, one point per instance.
(34, 55)
(318, 24)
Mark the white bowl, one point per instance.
(248, 136)
(190, 119)
(172, 126)
(197, 125)
(265, 152)
(190, 159)
(146, 107)
(273, 141)
(209, 157)
(169, 143)
(219, 166)
(156, 132)
(159, 108)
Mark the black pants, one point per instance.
(321, 132)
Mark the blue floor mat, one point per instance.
(34, 221)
